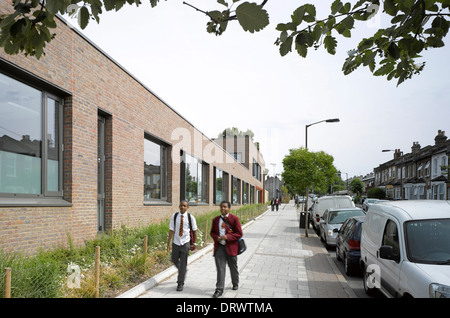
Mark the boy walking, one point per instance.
(226, 231)
(180, 226)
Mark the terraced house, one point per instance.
(86, 147)
(421, 174)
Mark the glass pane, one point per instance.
(20, 137)
(219, 188)
(53, 145)
(152, 170)
(200, 195)
(191, 178)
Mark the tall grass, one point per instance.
(123, 261)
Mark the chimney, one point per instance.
(415, 147)
(397, 154)
(440, 139)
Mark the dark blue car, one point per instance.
(348, 244)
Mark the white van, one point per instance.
(329, 202)
(405, 249)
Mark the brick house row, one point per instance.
(86, 147)
(418, 175)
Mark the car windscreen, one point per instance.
(428, 241)
(338, 217)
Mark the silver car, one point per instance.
(332, 220)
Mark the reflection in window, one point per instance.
(24, 116)
(155, 171)
(244, 193)
(236, 190)
(195, 179)
(52, 145)
(218, 182)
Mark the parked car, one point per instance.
(332, 221)
(329, 202)
(368, 202)
(405, 249)
(348, 244)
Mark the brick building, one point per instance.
(85, 147)
(247, 153)
(419, 175)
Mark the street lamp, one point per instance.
(331, 120)
(401, 169)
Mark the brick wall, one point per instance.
(95, 83)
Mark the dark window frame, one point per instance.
(164, 170)
(46, 197)
(204, 181)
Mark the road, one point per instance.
(355, 282)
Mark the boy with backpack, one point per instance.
(183, 230)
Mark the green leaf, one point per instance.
(52, 6)
(348, 22)
(311, 10)
(83, 17)
(385, 69)
(435, 42)
(222, 2)
(298, 14)
(330, 44)
(286, 46)
(252, 17)
(110, 4)
(336, 6)
(394, 51)
(302, 50)
(365, 44)
(304, 38)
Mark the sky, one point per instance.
(239, 79)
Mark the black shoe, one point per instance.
(235, 287)
(180, 287)
(217, 293)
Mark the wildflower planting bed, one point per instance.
(69, 272)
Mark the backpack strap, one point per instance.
(175, 218)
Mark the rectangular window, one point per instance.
(194, 179)
(155, 169)
(30, 141)
(220, 186)
(256, 171)
(245, 193)
(236, 183)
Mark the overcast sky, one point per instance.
(240, 80)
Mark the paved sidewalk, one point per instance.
(280, 262)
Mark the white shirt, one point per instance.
(185, 238)
(222, 229)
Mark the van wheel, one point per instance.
(369, 291)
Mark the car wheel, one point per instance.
(369, 291)
(338, 257)
(347, 268)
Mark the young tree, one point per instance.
(304, 169)
(357, 186)
(415, 25)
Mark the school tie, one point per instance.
(223, 221)
(181, 226)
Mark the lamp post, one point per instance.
(332, 120)
(401, 169)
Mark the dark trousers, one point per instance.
(179, 258)
(222, 258)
